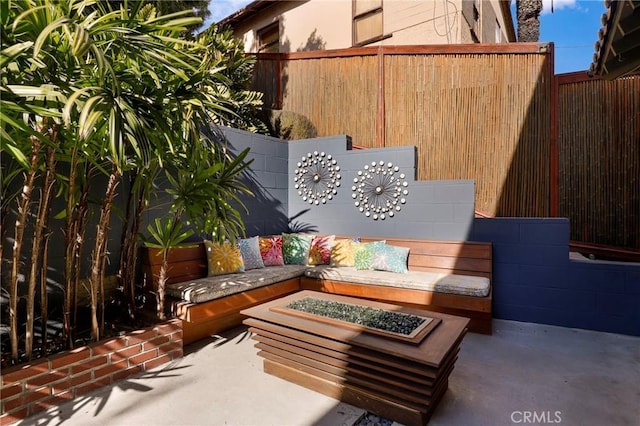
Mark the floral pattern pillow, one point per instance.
(295, 249)
(364, 252)
(223, 258)
(271, 250)
(250, 251)
(342, 253)
(391, 258)
(320, 250)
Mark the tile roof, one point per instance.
(618, 45)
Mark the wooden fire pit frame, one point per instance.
(394, 379)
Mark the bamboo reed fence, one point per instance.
(537, 145)
(599, 154)
(474, 116)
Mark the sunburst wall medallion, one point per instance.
(317, 177)
(379, 190)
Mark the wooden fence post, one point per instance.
(380, 116)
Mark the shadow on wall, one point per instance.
(290, 125)
(526, 190)
(296, 226)
(272, 219)
(265, 202)
(314, 42)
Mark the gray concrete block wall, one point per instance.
(442, 210)
(268, 180)
(535, 281)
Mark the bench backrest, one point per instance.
(185, 263)
(453, 257)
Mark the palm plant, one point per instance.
(165, 234)
(81, 87)
(204, 186)
(528, 17)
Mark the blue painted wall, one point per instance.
(535, 281)
(533, 278)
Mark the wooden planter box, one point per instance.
(48, 382)
(186, 262)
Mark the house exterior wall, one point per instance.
(316, 25)
(490, 16)
(247, 29)
(421, 22)
(327, 24)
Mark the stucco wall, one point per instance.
(247, 29)
(422, 22)
(327, 24)
(316, 25)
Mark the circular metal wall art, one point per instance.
(317, 177)
(379, 190)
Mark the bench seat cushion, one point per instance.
(210, 288)
(465, 285)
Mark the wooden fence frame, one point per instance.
(556, 82)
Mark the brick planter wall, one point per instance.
(30, 388)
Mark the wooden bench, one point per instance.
(465, 258)
(449, 257)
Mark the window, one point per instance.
(269, 38)
(367, 21)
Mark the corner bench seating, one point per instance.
(444, 276)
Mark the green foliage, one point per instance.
(121, 89)
(166, 233)
(237, 73)
(290, 125)
(205, 187)
(199, 8)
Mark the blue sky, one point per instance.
(573, 27)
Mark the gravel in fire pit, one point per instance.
(394, 322)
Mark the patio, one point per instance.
(523, 373)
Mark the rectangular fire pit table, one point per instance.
(395, 376)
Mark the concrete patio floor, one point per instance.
(522, 374)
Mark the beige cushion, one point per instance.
(209, 288)
(465, 285)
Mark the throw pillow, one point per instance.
(271, 250)
(363, 253)
(250, 251)
(223, 258)
(342, 253)
(391, 258)
(320, 250)
(295, 249)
